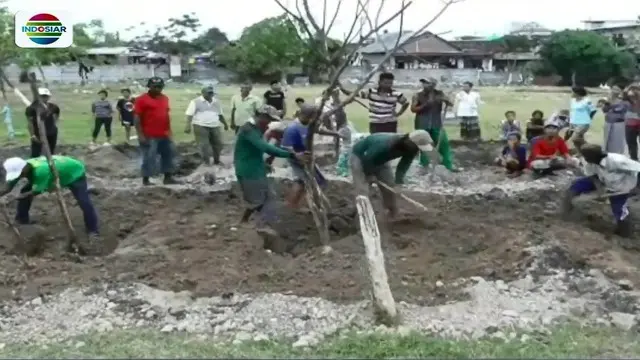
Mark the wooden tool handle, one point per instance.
(405, 197)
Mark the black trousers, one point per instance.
(36, 146)
(632, 133)
(98, 123)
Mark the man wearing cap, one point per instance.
(125, 111)
(550, 152)
(72, 175)
(153, 124)
(49, 116)
(205, 113)
(294, 139)
(243, 107)
(611, 175)
(251, 169)
(429, 105)
(372, 154)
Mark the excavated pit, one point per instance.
(187, 239)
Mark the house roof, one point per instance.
(479, 47)
(426, 43)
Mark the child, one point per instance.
(509, 125)
(535, 126)
(8, 120)
(103, 116)
(514, 156)
(550, 152)
(299, 103)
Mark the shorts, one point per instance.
(126, 122)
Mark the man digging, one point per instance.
(251, 169)
(370, 162)
(72, 175)
(610, 175)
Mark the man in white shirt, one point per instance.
(612, 175)
(205, 114)
(467, 111)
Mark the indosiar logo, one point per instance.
(43, 30)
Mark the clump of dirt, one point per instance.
(187, 240)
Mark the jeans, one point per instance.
(36, 146)
(632, 133)
(156, 146)
(618, 203)
(80, 192)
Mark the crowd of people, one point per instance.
(262, 134)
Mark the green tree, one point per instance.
(266, 50)
(173, 38)
(585, 57)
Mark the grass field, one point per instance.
(76, 122)
(569, 341)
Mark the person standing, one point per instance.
(251, 169)
(8, 121)
(383, 101)
(467, 111)
(205, 113)
(153, 125)
(125, 112)
(581, 113)
(632, 120)
(429, 106)
(275, 97)
(49, 114)
(243, 107)
(102, 116)
(615, 110)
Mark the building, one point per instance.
(623, 33)
(124, 55)
(426, 51)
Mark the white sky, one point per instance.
(471, 17)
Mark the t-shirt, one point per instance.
(125, 107)
(375, 151)
(295, 136)
(102, 109)
(532, 132)
(615, 113)
(248, 154)
(546, 147)
(581, 112)
(205, 113)
(48, 117)
(245, 108)
(69, 170)
(154, 115)
(275, 99)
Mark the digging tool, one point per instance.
(405, 197)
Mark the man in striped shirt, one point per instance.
(383, 101)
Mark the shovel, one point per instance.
(405, 197)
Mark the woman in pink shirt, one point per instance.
(632, 120)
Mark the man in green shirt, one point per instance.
(72, 175)
(251, 168)
(371, 157)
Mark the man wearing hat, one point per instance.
(550, 152)
(372, 154)
(205, 113)
(251, 169)
(49, 116)
(72, 175)
(153, 124)
(429, 105)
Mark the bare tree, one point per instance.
(364, 26)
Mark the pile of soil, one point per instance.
(186, 240)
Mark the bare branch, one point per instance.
(333, 19)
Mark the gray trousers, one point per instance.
(209, 139)
(615, 140)
(382, 173)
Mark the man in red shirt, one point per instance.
(153, 125)
(550, 152)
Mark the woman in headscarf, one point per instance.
(615, 110)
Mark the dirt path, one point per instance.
(186, 240)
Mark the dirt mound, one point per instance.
(188, 240)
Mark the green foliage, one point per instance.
(265, 50)
(590, 57)
(517, 43)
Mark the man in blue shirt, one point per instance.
(295, 138)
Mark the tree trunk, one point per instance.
(383, 302)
